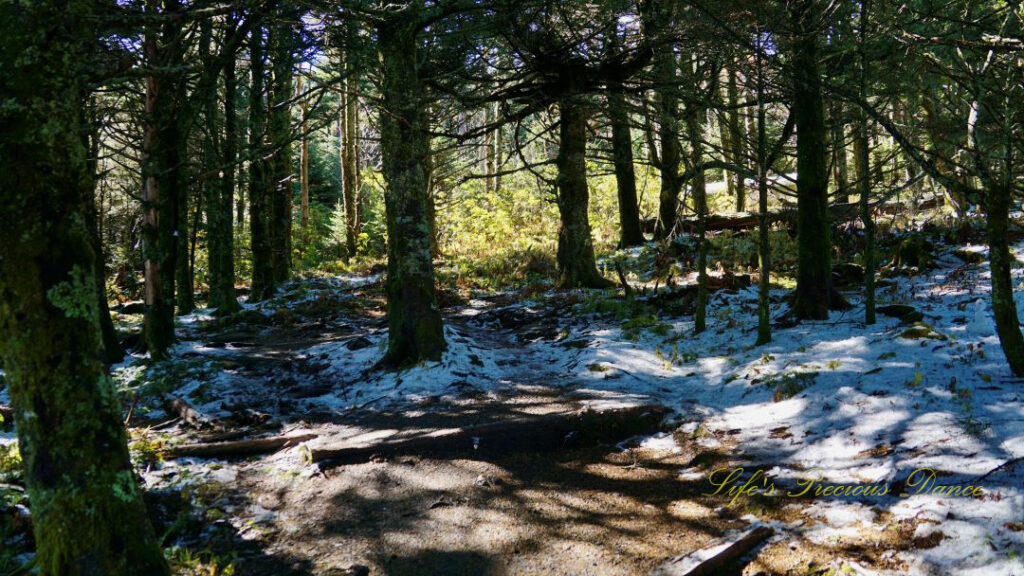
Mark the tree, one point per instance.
(261, 186)
(349, 117)
(814, 268)
(220, 192)
(657, 18)
(87, 510)
(980, 64)
(576, 262)
(414, 320)
(630, 233)
(282, 43)
(163, 169)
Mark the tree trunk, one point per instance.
(1001, 259)
(576, 262)
(304, 168)
(862, 157)
(219, 234)
(630, 233)
(185, 296)
(694, 128)
(764, 326)
(112, 350)
(350, 158)
(414, 320)
(281, 43)
(490, 164)
(839, 160)
(668, 113)
(814, 266)
(163, 155)
(260, 174)
(737, 138)
(87, 511)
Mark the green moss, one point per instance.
(10, 463)
(76, 296)
(922, 330)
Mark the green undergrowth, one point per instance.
(513, 268)
(786, 385)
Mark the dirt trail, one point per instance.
(600, 510)
(589, 510)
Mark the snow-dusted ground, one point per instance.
(868, 406)
(862, 404)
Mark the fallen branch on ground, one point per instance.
(524, 434)
(1008, 464)
(189, 415)
(717, 563)
(237, 448)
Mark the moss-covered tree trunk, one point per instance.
(630, 233)
(282, 45)
(163, 173)
(576, 263)
(814, 266)
(220, 199)
(998, 199)
(261, 187)
(414, 319)
(87, 512)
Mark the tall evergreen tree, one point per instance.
(87, 510)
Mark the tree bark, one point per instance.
(260, 173)
(998, 199)
(630, 233)
(414, 319)
(281, 43)
(185, 301)
(694, 128)
(87, 511)
(764, 326)
(576, 262)
(163, 166)
(668, 112)
(862, 157)
(304, 167)
(219, 203)
(737, 137)
(112, 350)
(839, 159)
(350, 158)
(814, 266)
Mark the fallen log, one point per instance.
(189, 415)
(236, 448)
(524, 434)
(838, 213)
(718, 562)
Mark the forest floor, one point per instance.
(837, 401)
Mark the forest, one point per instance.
(509, 287)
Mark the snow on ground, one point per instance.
(834, 400)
